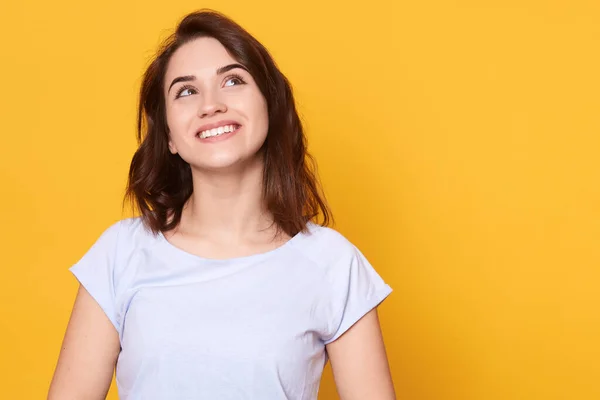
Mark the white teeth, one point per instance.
(217, 131)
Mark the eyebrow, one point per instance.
(220, 71)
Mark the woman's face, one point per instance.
(216, 114)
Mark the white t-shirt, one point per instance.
(252, 327)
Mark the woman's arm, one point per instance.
(88, 354)
(359, 362)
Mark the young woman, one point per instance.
(225, 287)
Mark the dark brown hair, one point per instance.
(160, 182)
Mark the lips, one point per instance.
(216, 132)
(213, 129)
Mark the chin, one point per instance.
(225, 162)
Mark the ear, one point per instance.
(172, 147)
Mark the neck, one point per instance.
(228, 205)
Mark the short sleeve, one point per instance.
(355, 289)
(95, 271)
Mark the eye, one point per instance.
(234, 80)
(184, 89)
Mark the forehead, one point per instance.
(201, 56)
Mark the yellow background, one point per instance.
(457, 142)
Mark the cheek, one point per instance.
(179, 120)
(261, 114)
(179, 115)
(253, 107)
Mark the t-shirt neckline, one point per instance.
(179, 253)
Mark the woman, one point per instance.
(223, 288)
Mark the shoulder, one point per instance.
(122, 236)
(114, 248)
(326, 246)
(125, 230)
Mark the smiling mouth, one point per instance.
(218, 131)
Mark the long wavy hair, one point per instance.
(160, 183)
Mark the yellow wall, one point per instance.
(458, 143)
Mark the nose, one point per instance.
(211, 104)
